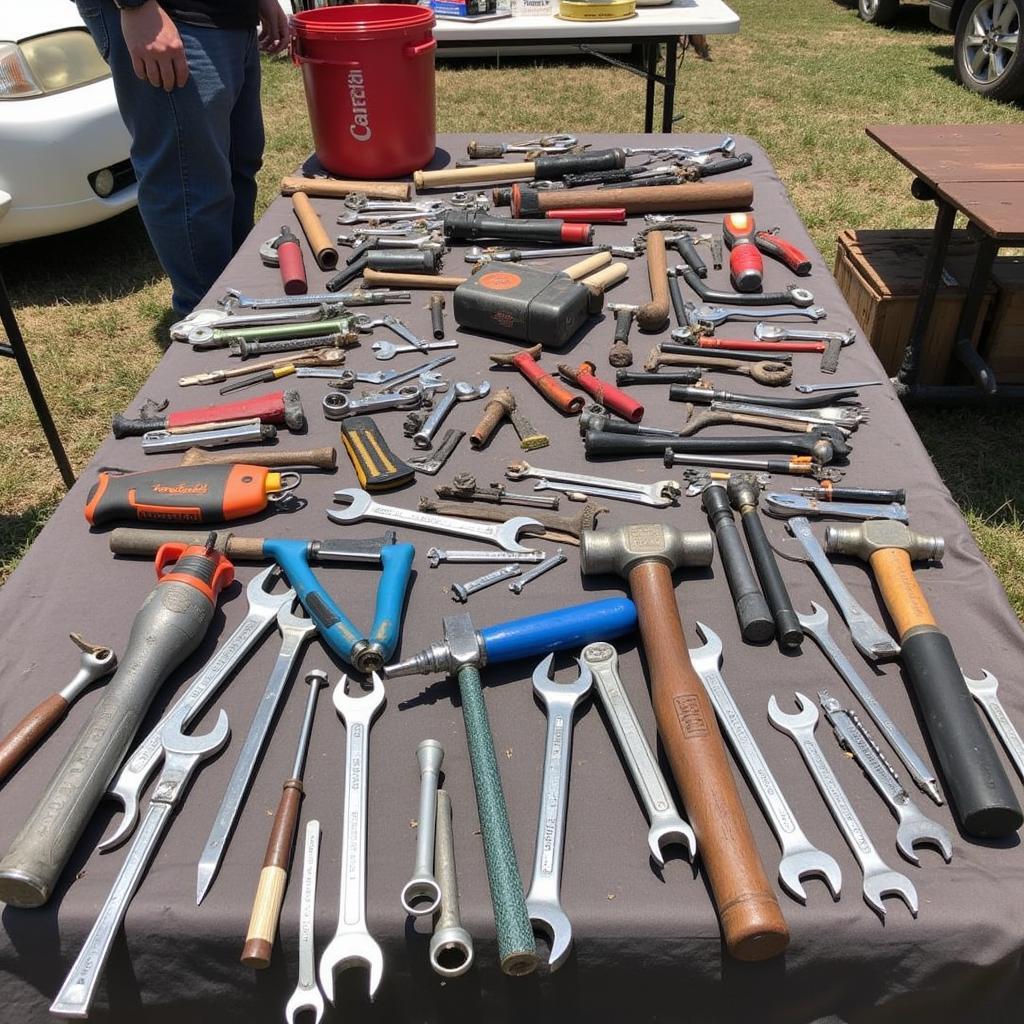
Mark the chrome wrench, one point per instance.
(388, 349)
(781, 505)
(660, 494)
(352, 942)
(810, 389)
(182, 756)
(295, 632)
(716, 315)
(868, 636)
(338, 406)
(666, 826)
(460, 391)
(914, 826)
(986, 692)
(307, 993)
(879, 879)
(799, 856)
(130, 783)
(362, 506)
(816, 627)
(543, 904)
(772, 332)
(234, 299)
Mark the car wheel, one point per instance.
(987, 58)
(878, 12)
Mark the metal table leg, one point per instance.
(668, 99)
(653, 50)
(971, 315)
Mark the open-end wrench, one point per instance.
(879, 879)
(234, 299)
(715, 315)
(295, 632)
(128, 786)
(815, 626)
(914, 826)
(362, 506)
(810, 389)
(307, 993)
(799, 856)
(543, 903)
(660, 494)
(667, 826)
(352, 943)
(773, 332)
(868, 636)
(985, 691)
(388, 349)
(434, 462)
(460, 391)
(182, 756)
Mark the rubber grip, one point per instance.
(746, 268)
(468, 225)
(787, 625)
(377, 467)
(293, 270)
(554, 167)
(558, 629)
(517, 951)
(981, 796)
(785, 252)
(29, 731)
(686, 248)
(269, 408)
(726, 164)
(396, 568)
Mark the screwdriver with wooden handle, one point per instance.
(266, 907)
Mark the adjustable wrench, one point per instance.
(461, 391)
(352, 942)
(868, 636)
(660, 494)
(799, 857)
(295, 632)
(307, 993)
(666, 825)
(879, 879)
(816, 627)
(362, 506)
(985, 692)
(542, 901)
(131, 781)
(914, 826)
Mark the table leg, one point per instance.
(668, 99)
(652, 75)
(971, 314)
(906, 377)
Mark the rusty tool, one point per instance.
(605, 394)
(502, 405)
(697, 421)
(645, 555)
(619, 355)
(464, 487)
(314, 357)
(653, 315)
(526, 362)
(767, 371)
(316, 458)
(436, 305)
(565, 529)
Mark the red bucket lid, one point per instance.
(356, 20)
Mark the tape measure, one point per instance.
(606, 10)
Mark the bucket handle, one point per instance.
(409, 50)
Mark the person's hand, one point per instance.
(157, 53)
(275, 33)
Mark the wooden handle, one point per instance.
(140, 543)
(900, 591)
(29, 731)
(702, 195)
(653, 315)
(388, 280)
(751, 919)
(327, 188)
(266, 907)
(601, 281)
(317, 458)
(324, 253)
(588, 266)
(472, 175)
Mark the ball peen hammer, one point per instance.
(980, 793)
(645, 555)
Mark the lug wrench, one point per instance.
(799, 857)
(879, 879)
(352, 942)
(307, 993)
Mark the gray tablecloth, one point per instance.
(647, 942)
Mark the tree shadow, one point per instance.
(18, 531)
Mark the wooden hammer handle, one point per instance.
(385, 279)
(29, 731)
(600, 281)
(329, 188)
(653, 315)
(590, 265)
(323, 250)
(751, 919)
(317, 458)
(693, 196)
(472, 175)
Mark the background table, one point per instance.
(651, 27)
(647, 943)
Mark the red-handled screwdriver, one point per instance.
(746, 268)
(785, 252)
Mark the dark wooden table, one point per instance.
(976, 170)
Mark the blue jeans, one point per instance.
(195, 150)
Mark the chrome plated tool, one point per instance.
(986, 692)
(659, 494)
(422, 894)
(451, 946)
(307, 995)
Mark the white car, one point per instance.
(63, 147)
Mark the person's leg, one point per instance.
(246, 147)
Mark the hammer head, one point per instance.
(510, 358)
(874, 535)
(618, 551)
(294, 417)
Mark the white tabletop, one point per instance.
(681, 17)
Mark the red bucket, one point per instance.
(368, 70)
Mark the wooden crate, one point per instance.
(880, 273)
(1003, 345)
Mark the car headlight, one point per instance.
(49, 63)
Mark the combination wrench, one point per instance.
(914, 826)
(799, 856)
(543, 903)
(388, 349)
(986, 692)
(127, 788)
(879, 879)
(295, 632)
(460, 391)
(867, 635)
(666, 826)
(713, 316)
(352, 943)
(816, 627)
(362, 506)
(307, 993)
(338, 406)
(660, 494)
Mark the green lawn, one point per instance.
(803, 77)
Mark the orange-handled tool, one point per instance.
(746, 267)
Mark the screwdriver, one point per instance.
(266, 907)
(827, 492)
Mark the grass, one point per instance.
(803, 77)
